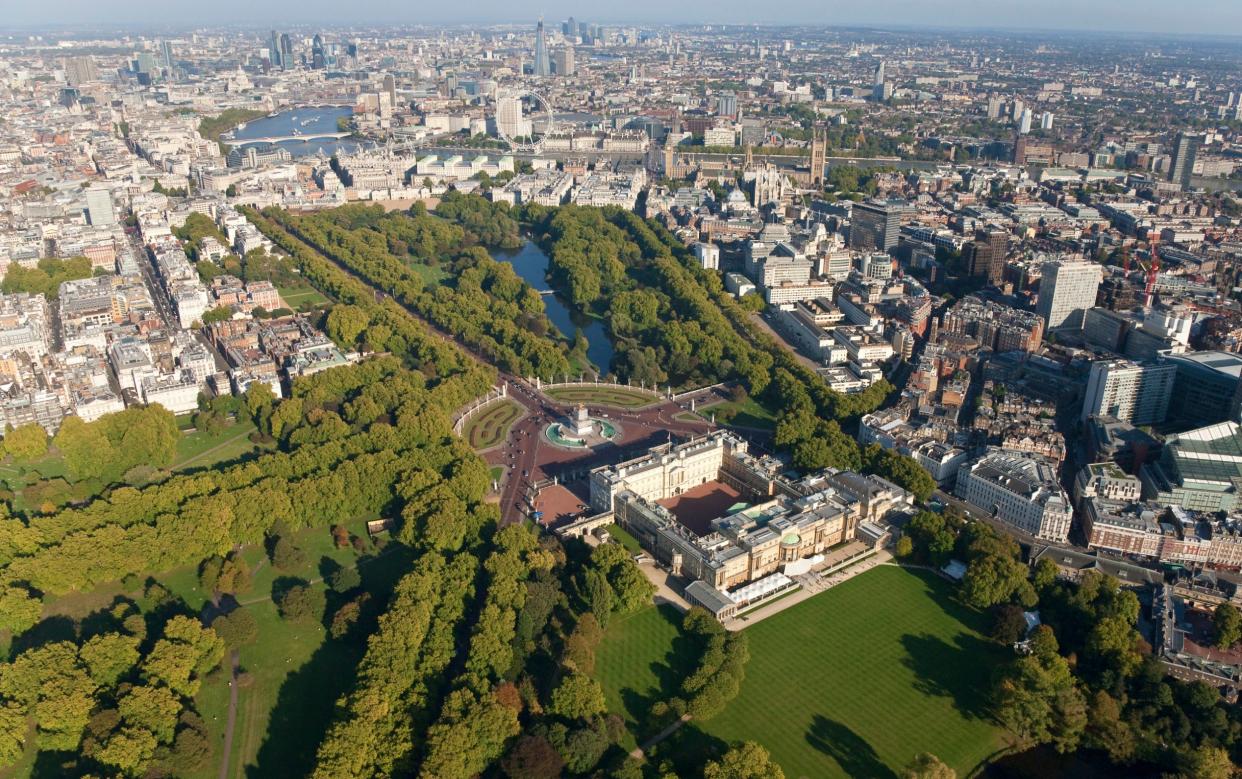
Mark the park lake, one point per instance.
(531, 263)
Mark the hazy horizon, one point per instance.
(1197, 17)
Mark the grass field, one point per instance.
(852, 682)
(296, 297)
(747, 413)
(641, 659)
(431, 276)
(624, 538)
(199, 449)
(490, 426)
(602, 395)
(858, 680)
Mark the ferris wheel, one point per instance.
(511, 114)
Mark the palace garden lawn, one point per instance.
(852, 682)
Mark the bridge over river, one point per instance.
(311, 136)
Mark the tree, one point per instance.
(302, 603)
(578, 696)
(1209, 762)
(129, 750)
(1108, 731)
(109, 657)
(1227, 622)
(228, 575)
(1038, 700)
(1009, 623)
(154, 708)
(905, 547)
(286, 555)
(27, 443)
(1045, 574)
(532, 757)
(217, 314)
(925, 765)
(347, 615)
(344, 579)
(993, 579)
(19, 611)
(13, 729)
(87, 451)
(746, 760)
(237, 628)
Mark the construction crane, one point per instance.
(1149, 288)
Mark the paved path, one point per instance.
(641, 751)
(235, 662)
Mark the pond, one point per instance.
(531, 263)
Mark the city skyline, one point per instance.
(1199, 17)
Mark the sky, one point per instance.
(1159, 16)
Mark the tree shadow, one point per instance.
(54, 765)
(307, 699)
(49, 631)
(855, 756)
(958, 671)
(304, 709)
(327, 567)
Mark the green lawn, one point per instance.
(858, 680)
(603, 395)
(296, 297)
(200, 449)
(297, 673)
(431, 276)
(747, 413)
(490, 427)
(850, 683)
(640, 661)
(624, 538)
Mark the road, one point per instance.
(766, 326)
(146, 266)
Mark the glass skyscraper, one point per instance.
(542, 66)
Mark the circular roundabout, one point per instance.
(581, 431)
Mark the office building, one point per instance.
(985, 256)
(726, 104)
(874, 225)
(390, 89)
(542, 65)
(273, 50)
(1066, 290)
(1185, 151)
(509, 120)
(1206, 390)
(286, 51)
(1019, 489)
(79, 70)
(319, 57)
(1129, 391)
(1199, 469)
(99, 211)
(564, 62)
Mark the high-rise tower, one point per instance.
(1181, 167)
(542, 66)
